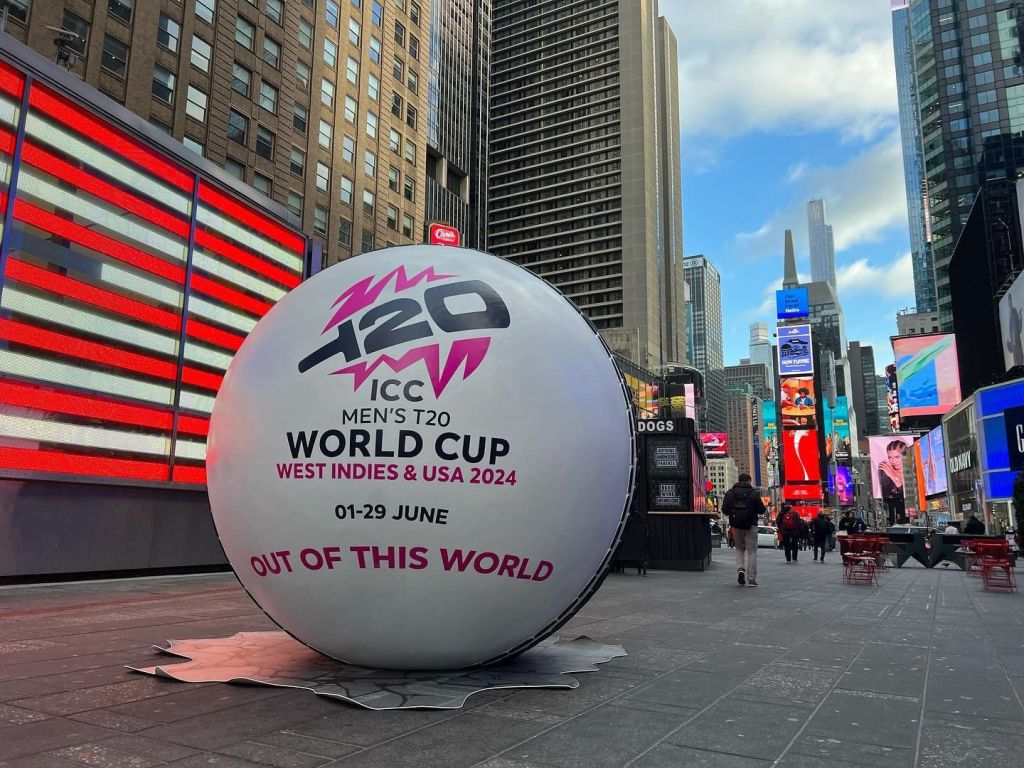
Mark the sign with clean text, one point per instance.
(442, 234)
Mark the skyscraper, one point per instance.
(822, 246)
(707, 353)
(864, 388)
(319, 106)
(457, 117)
(970, 102)
(913, 157)
(761, 345)
(584, 186)
(742, 410)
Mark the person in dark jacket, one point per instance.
(743, 506)
(846, 524)
(804, 537)
(821, 528)
(789, 527)
(974, 526)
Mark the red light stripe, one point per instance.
(66, 172)
(87, 294)
(96, 130)
(184, 474)
(225, 248)
(228, 295)
(108, 246)
(197, 329)
(57, 400)
(11, 81)
(199, 378)
(250, 218)
(80, 464)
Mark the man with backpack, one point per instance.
(789, 526)
(743, 506)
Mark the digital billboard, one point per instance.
(887, 465)
(927, 372)
(892, 397)
(791, 303)
(716, 444)
(795, 354)
(800, 455)
(837, 429)
(1011, 322)
(798, 403)
(841, 484)
(933, 462)
(769, 431)
(801, 492)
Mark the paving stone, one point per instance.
(964, 746)
(145, 746)
(992, 697)
(830, 655)
(869, 718)
(279, 757)
(839, 749)
(674, 756)
(686, 688)
(103, 757)
(787, 683)
(46, 735)
(882, 677)
(309, 745)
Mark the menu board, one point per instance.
(668, 473)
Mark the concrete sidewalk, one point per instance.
(925, 670)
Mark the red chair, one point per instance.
(997, 574)
(860, 569)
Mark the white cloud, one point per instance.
(894, 280)
(747, 65)
(796, 172)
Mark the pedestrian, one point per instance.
(974, 526)
(821, 527)
(789, 527)
(846, 523)
(858, 526)
(831, 536)
(743, 505)
(805, 535)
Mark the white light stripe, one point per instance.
(192, 401)
(220, 314)
(82, 378)
(8, 111)
(50, 431)
(251, 238)
(187, 449)
(115, 220)
(197, 353)
(67, 142)
(222, 269)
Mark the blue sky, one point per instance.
(782, 101)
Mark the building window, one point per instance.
(275, 10)
(989, 116)
(241, 79)
(373, 87)
(398, 69)
(345, 233)
(196, 107)
(115, 56)
(393, 178)
(324, 134)
(410, 151)
(122, 9)
(264, 142)
(354, 31)
(168, 33)
(268, 97)
(407, 225)
(302, 75)
(193, 144)
(369, 200)
(163, 84)
(377, 14)
(984, 78)
(323, 177)
(204, 9)
(371, 125)
(245, 33)
(395, 141)
(396, 105)
(351, 107)
(414, 46)
(272, 52)
(347, 188)
(80, 27)
(399, 34)
(332, 13)
(300, 118)
(367, 240)
(297, 162)
(295, 202)
(306, 34)
(370, 164)
(320, 220)
(414, 13)
(410, 116)
(374, 50)
(409, 191)
(392, 218)
(981, 59)
(327, 93)
(414, 82)
(263, 183)
(348, 149)
(201, 54)
(234, 168)
(330, 53)
(238, 126)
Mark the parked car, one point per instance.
(767, 536)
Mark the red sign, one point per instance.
(716, 444)
(806, 511)
(802, 492)
(442, 234)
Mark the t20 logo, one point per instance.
(398, 321)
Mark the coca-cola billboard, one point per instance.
(442, 234)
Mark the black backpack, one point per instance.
(741, 511)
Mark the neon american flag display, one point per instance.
(129, 281)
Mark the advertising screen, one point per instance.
(887, 465)
(1011, 321)
(716, 444)
(801, 492)
(892, 397)
(933, 462)
(800, 455)
(795, 354)
(927, 372)
(842, 486)
(798, 403)
(791, 303)
(769, 431)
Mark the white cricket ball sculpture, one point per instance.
(421, 458)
